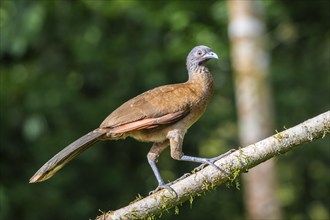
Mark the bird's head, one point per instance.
(198, 56)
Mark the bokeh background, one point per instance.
(65, 65)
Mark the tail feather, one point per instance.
(66, 155)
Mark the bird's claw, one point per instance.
(211, 163)
(223, 155)
(214, 159)
(163, 186)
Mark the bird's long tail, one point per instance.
(66, 155)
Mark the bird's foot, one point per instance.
(180, 178)
(223, 155)
(164, 186)
(211, 162)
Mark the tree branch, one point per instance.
(237, 162)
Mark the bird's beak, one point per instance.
(211, 55)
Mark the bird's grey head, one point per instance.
(198, 56)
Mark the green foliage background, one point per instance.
(65, 65)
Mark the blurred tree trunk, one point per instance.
(254, 103)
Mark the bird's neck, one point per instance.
(201, 81)
(201, 75)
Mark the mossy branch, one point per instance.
(237, 162)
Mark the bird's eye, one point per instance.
(199, 53)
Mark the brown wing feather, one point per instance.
(148, 123)
(150, 105)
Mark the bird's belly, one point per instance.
(155, 135)
(159, 133)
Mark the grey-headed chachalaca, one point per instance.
(161, 115)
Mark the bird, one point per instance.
(161, 115)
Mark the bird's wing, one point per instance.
(162, 105)
(148, 123)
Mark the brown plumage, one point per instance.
(161, 115)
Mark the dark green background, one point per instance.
(65, 65)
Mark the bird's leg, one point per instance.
(155, 151)
(176, 139)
